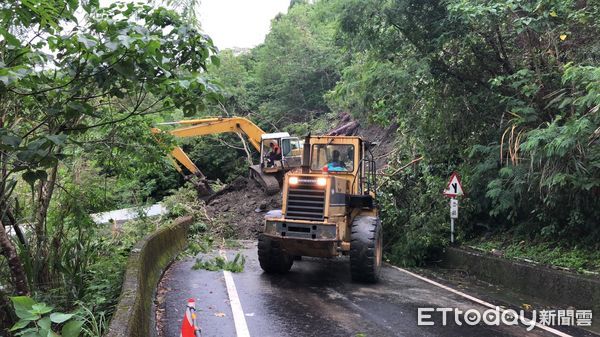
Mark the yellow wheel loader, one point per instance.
(328, 210)
(270, 170)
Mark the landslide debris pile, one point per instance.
(242, 205)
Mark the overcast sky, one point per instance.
(239, 23)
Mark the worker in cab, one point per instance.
(336, 165)
(274, 153)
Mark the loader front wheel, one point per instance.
(272, 257)
(366, 246)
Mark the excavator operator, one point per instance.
(274, 154)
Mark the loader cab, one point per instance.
(328, 209)
(291, 152)
(344, 158)
(337, 182)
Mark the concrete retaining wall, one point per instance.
(147, 261)
(562, 288)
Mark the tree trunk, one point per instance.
(45, 191)
(14, 263)
(248, 154)
(7, 318)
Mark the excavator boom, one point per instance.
(211, 126)
(217, 125)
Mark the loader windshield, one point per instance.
(332, 158)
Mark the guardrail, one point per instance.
(562, 288)
(147, 261)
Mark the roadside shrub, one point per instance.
(415, 216)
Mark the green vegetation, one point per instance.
(283, 81)
(93, 277)
(221, 263)
(39, 320)
(580, 259)
(205, 233)
(78, 93)
(505, 92)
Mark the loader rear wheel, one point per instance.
(366, 246)
(272, 258)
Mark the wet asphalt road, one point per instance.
(317, 298)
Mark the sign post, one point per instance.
(453, 215)
(453, 189)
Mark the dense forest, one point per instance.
(505, 92)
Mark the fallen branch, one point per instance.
(344, 130)
(244, 143)
(208, 218)
(398, 170)
(401, 168)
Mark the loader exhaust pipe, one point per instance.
(306, 155)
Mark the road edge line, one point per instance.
(524, 320)
(239, 319)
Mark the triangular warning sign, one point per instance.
(454, 187)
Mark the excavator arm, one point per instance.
(211, 126)
(216, 125)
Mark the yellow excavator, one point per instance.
(272, 167)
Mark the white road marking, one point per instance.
(239, 319)
(482, 302)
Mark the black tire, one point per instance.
(272, 258)
(366, 249)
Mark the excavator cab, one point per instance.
(291, 152)
(270, 172)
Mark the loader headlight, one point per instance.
(293, 180)
(321, 181)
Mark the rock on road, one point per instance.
(317, 298)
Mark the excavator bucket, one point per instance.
(202, 188)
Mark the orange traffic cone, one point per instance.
(190, 328)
